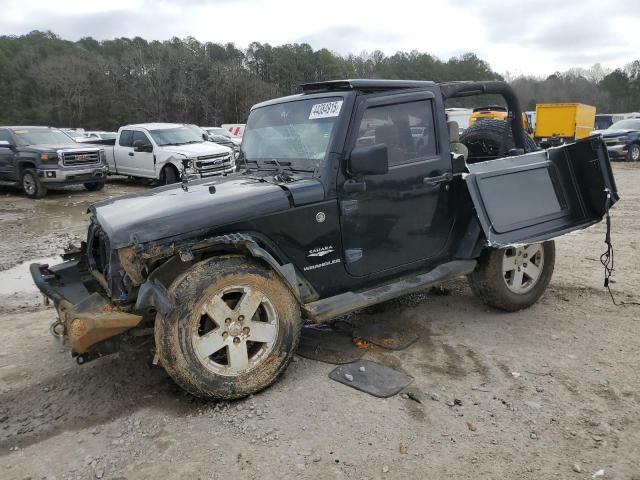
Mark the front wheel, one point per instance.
(31, 184)
(233, 331)
(513, 278)
(94, 186)
(633, 155)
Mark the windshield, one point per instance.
(42, 136)
(298, 131)
(219, 131)
(175, 136)
(631, 124)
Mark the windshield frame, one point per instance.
(615, 126)
(334, 146)
(63, 136)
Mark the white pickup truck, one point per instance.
(156, 150)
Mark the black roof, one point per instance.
(363, 84)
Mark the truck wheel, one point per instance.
(94, 186)
(633, 155)
(31, 184)
(489, 139)
(513, 278)
(169, 175)
(234, 329)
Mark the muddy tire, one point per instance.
(235, 328)
(94, 186)
(31, 184)
(491, 138)
(169, 175)
(513, 278)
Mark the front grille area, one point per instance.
(213, 163)
(76, 158)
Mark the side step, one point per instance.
(327, 308)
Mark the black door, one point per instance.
(403, 216)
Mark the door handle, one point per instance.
(131, 154)
(433, 181)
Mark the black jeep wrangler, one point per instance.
(37, 158)
(354, 192)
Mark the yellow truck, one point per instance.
(558, 123)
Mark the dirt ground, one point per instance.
(550, 392)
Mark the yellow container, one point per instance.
(564, 120)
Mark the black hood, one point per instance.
(169, 211)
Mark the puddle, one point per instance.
(17, 280)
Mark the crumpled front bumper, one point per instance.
(84, 318)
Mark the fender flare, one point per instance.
(153, 294)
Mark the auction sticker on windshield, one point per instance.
(325, 110)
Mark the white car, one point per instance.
(219, 131)
(161, 150)
(88, 137)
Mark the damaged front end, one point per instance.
(89, 319)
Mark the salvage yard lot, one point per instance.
(550, 392)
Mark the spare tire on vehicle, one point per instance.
(489, 139)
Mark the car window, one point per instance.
(5, 135)
(142, 137)
(126, 137)
(406, 128)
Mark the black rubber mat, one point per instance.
(322, 343)
(387, 334)
(371, 377)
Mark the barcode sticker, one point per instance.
(325, 110)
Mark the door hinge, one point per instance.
(347, 207)
(352, 255)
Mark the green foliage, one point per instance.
(104, 84)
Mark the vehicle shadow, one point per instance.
(91, 395)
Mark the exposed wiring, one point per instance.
(607, 257)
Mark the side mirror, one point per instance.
(5, 144)
(140, 146)
(205, 137)
(369, 160)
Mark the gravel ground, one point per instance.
(550, 392)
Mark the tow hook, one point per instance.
(58, 330)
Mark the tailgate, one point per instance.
(541, 195)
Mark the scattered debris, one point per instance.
(599, 473)
(435, 397)
(515, 374)
(576, 468)
(362, 369)
(404, 448)
(472, 426)
(413, 397)
(377, 379)
(533, 436)
(385, 469)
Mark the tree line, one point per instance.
(47, 80)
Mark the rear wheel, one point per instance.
(233, 332)
(169, 175)
(94, 186)
(490, 139)
(513, 278)
(31, 184)
(633, 155)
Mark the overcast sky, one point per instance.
(524, 37)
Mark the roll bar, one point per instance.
(468, 89)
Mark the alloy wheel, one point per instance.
(29, 184)
(522, 267)
(237, 329)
